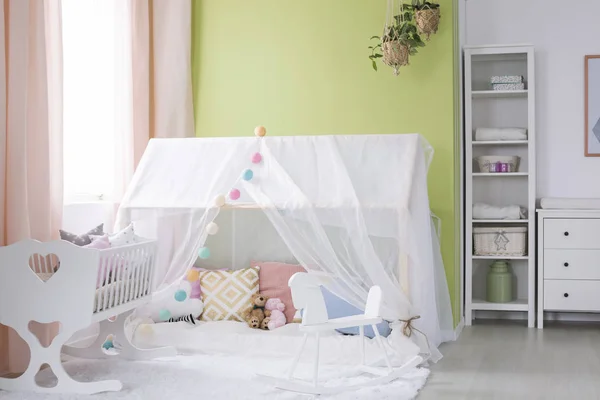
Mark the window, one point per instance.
(90, 92)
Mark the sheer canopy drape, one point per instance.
(355, 207)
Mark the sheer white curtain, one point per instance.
(127, 79)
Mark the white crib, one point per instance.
(74, 286)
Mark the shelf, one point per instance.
(499, 142)
(516, 305)
(498, 93)
(501, 174)
(500, 257)
(500, 221)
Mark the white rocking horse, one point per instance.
(307, 296)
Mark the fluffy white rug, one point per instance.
(220, 362)
(209, 377)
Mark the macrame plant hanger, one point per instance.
(395, 52)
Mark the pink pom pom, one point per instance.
(234, 194)
(256, 158)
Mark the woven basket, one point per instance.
(501, 241)
(395, 54)
(485, 162)
(427, 21)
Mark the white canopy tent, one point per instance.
(354, 206)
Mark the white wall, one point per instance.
(562, 33)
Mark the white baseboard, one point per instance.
(459, 328)
(548, 316)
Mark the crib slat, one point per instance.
(129, 257)
(137, 275)
(146, 270)
(110, 296)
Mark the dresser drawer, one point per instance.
(566, 295)
(571, 233)
(571, 264)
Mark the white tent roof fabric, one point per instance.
(353, 206)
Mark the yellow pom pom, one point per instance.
(193, 275)
(260, 131)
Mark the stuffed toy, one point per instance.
(256, 315)
(275, 317)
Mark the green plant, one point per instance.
(403, 30)
(423, 5)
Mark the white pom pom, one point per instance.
(220, 200)
(212, 228)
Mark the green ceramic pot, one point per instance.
(499, 283)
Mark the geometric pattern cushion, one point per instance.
(226, 294)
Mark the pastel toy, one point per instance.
(260, 131)
(276, 320)
(164, 315)
(256, 158)
(274, 304)
(234, 194)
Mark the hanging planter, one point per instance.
(400, 38)
(427, 17)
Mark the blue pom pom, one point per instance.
(247, 175)
(204, 253)
(180, 295)
(164, 315)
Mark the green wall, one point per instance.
(301, 67)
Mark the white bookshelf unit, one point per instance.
(487, 108)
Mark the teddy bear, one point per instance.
(274, 316)
(256, 316)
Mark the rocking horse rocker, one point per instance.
(307, 296)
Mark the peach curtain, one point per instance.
(156, 79)
(31, 191)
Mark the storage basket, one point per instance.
(500, 241)
(485, 162)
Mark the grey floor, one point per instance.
(500, 361)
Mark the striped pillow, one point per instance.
(227, 294)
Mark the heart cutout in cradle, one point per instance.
(44, 266)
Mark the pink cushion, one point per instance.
(273, 282)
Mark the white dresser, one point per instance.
(568, 261)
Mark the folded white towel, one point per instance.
(486, 211)
(501, 134)
(570, 204)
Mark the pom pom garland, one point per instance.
(260, 131)
(234, 194)
(247, 175)
(256, 158)
(204, 253)
(164, 315)
(212, 228)
(220, 200)
(193, 275)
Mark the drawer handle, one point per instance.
(566, 233)
(566, 295)
(566, 264)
